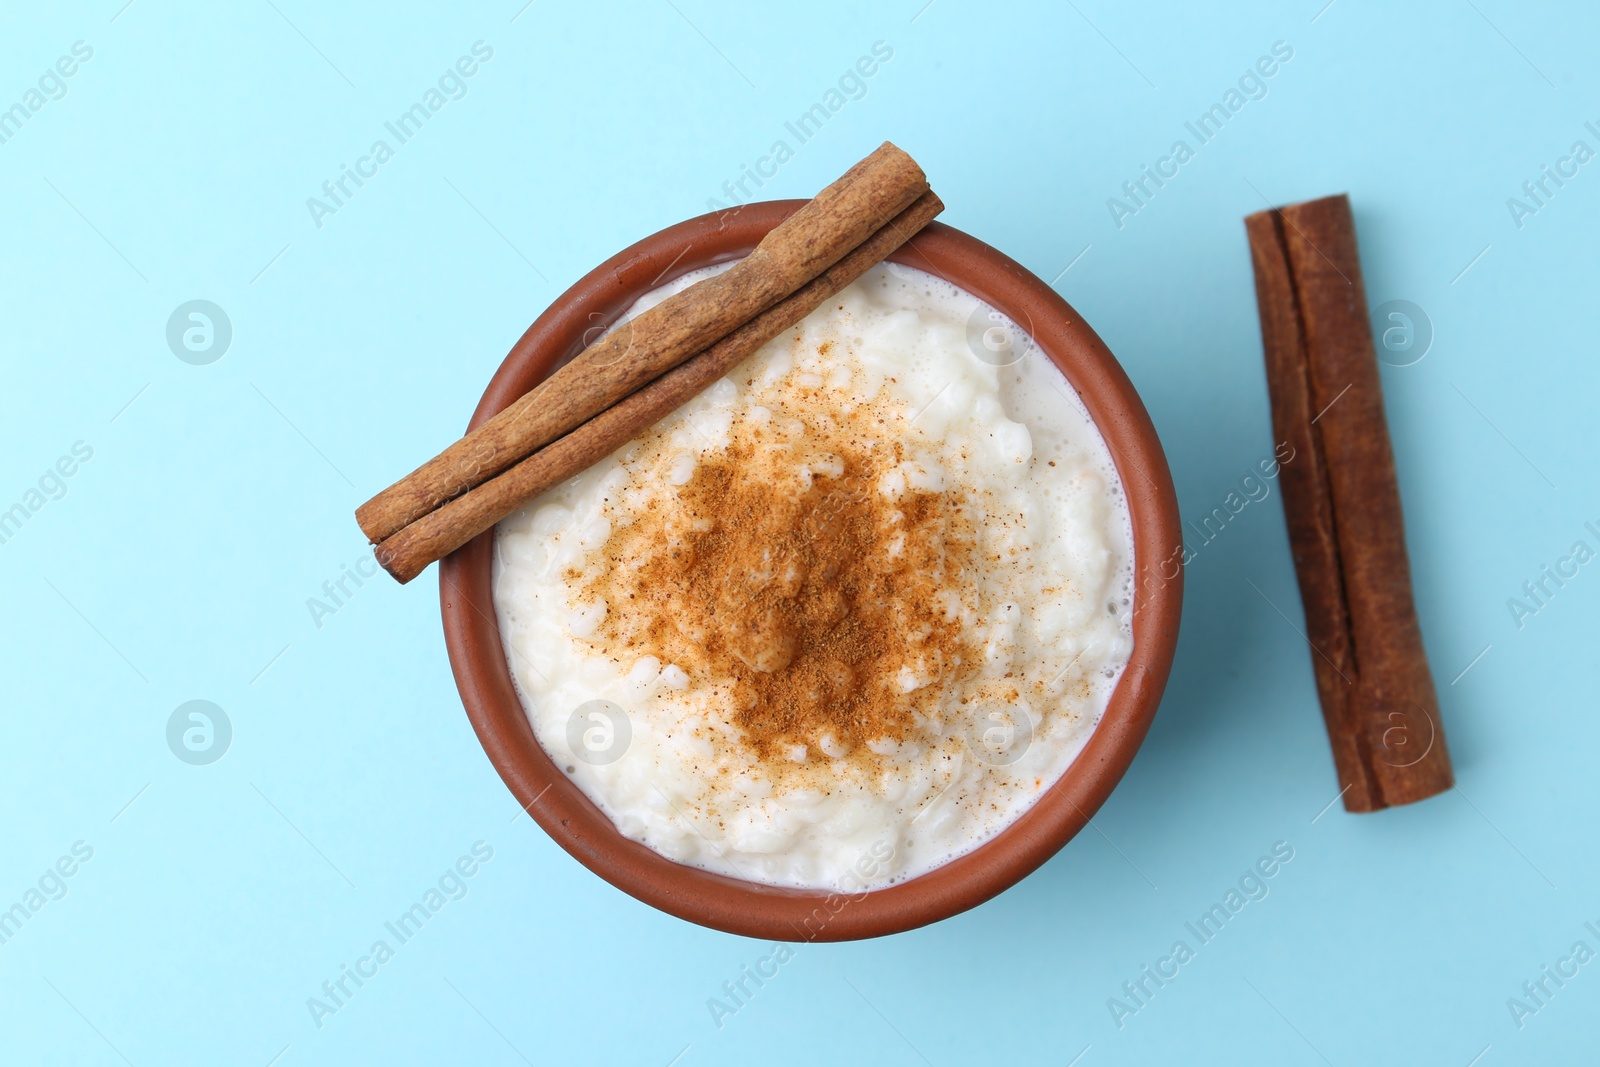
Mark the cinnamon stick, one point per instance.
(814, 238)
(442, 531)
(1341, 498)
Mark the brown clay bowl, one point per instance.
(723, 903)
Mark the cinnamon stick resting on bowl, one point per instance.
(1342, 501)
(838, 220)
(597, 400)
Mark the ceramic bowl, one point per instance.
(762, 911)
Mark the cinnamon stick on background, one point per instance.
(811, 240)
(437, 534)
(1342, 501)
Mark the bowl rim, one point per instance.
(773, 913)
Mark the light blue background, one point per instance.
(219, 499)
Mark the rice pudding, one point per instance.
(846, 614)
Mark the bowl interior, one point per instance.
(774, 913)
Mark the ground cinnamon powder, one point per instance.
(815, 605)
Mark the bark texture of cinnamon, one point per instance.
(447, 528)
(1342, 501)
(810, 241)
